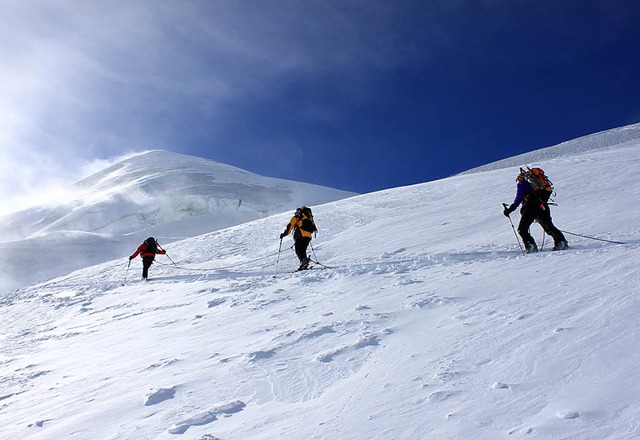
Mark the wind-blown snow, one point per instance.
(167, 195)
(429, 325)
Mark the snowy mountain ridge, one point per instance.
(167, 195)
(614, 138)
(429, 324)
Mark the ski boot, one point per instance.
(561, 246)
(304, 265)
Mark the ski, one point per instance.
(302, 270)
(318, 267)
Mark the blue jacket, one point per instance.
(523, 189)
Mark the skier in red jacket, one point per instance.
(147, 250)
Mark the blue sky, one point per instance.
(357, 95)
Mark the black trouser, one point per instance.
(146, 264)
(301, 245)
(537, 211)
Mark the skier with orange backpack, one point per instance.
(533, 190)
(303, 227)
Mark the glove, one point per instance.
(282, 235)
(130, 258)
(508, 210)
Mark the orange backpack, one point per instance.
(539, 182)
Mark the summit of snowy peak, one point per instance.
(161, 164)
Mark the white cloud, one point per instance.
(89, 80)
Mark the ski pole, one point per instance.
(165, 252)
(316, 257)
(174, 263)
(514, 231)
(593, 238)
(126, 273)
(544, 234)
(278, 259)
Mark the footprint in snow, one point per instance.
(365, 341)
(316, 333)
(160, 395)
(215, 302)
(426, 301)
(446, 375)
(162, 363)
(439, 396)
(39, 423)
(261, 354)
(207, 416)
(393, 253)
(525, 431)
(568, 415)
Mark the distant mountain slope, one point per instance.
(167, 195)
(616, 137)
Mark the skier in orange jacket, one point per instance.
(303, 227)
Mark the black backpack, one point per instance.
(152, 245)
(307, 224)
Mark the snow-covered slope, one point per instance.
(429, 325)
(167, 195)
